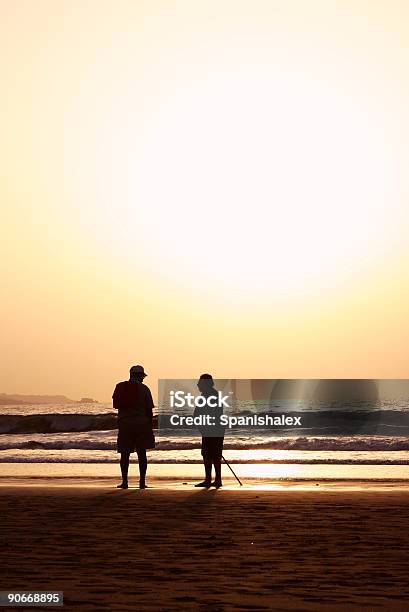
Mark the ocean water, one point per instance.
(356, 432)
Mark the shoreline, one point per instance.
(249, 473)
(180, 478)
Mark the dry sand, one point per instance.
(275, 547)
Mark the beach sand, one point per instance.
(266, 546)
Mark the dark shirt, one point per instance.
(216, 429)
(133, 399)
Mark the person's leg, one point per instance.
(218, 472)
(208, 470)
(124, 463)
(143, 464)
(208, 474)
(217, 461)
(207, 461)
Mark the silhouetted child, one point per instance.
(212, 436)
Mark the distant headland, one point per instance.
(7, 399)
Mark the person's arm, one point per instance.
(115, 398)
(149, 404)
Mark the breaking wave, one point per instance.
(335, 422)
(55, 422)
(304, 443)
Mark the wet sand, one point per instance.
(267, 546)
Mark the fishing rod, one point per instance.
(231, 469)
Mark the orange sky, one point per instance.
(203, 186)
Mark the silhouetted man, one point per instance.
(134, 403)
(212, 436)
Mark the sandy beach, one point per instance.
(266, 546)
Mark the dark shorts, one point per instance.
(134, 435)
(212, 448)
